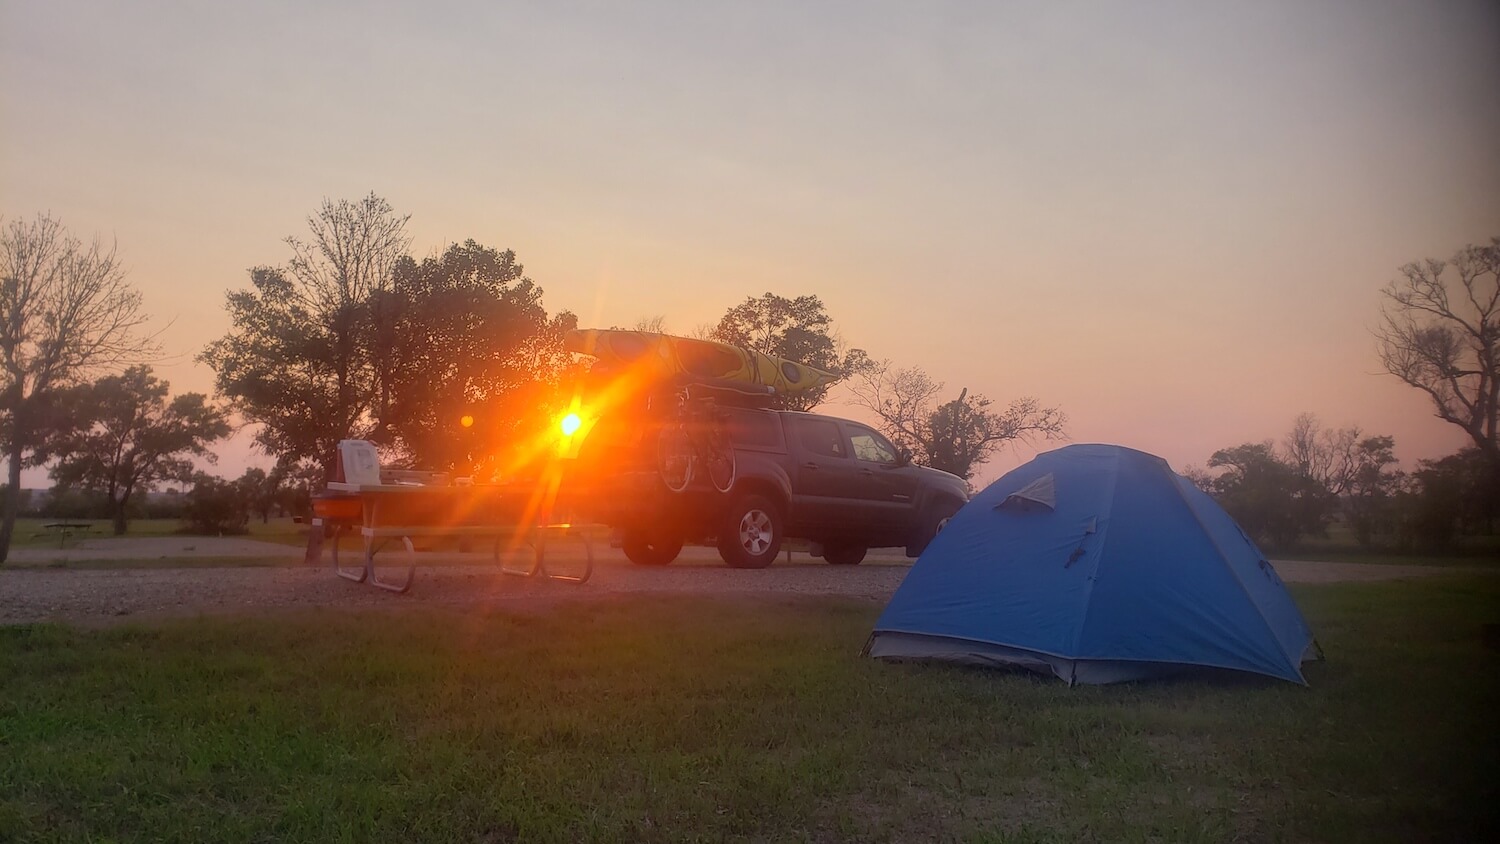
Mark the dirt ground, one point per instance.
(31, 591)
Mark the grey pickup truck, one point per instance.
(837, 483)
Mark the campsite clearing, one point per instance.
(729, 717)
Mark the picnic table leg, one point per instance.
(372, 548)
(355, 574)
(513, 543)
(588, 553)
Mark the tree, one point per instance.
(467, 335)
(123, 436)
(1449, 497)
(260, 491)
(1272, 501)
(1441, 335)
(66, 312)
(1329, 457)
(353, 340)
(215, 506)
(1432, 504)
(1370, 497)
(1200, 477)
(795, 329)
(956, 436)
(301, 359)
(295, 484)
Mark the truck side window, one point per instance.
(821, 437)
(872, 447)
(753, 428)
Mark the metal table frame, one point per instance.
(376, 533)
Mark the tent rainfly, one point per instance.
(1099, 564)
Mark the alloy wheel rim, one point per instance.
(755, 532)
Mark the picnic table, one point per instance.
(63, 530)
(519, 519)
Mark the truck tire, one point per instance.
(933, 521)
(750, 535)
(650, 547)
(844, 555)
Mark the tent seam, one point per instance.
(1238, 581)
(1100, 542)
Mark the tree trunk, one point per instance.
(119, 509)
(12, 503)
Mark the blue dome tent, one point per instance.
(1098, 564)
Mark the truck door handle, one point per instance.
(866, 471)
(809, 465)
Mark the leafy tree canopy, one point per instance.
(125, 436)
(1272, 501)
(354, 340)
(795, 329)
(468, 336)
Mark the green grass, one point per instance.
(662, 718)
(30, 533)
(1380, 557)
(1340, 546)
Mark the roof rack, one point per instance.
(728, 392)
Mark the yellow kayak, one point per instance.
(665, 355)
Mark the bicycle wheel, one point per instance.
(718, 456)
(674, 457)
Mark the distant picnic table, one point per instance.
(63, 530)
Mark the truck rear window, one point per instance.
(754, 429)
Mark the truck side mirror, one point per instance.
(903, 456)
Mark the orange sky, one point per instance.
(1170, 219)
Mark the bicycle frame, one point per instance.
(695, 439)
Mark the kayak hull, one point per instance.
(667, 356)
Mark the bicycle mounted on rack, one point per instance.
(693, 439)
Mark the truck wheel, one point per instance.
(933, 522)
(750, 535)
(650, 547)
(844, 555)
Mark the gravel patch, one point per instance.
(105, 596)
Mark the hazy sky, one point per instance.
(1170, 219)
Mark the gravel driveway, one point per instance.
(95, 596)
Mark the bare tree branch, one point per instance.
(956, 436)
(1441, 335)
